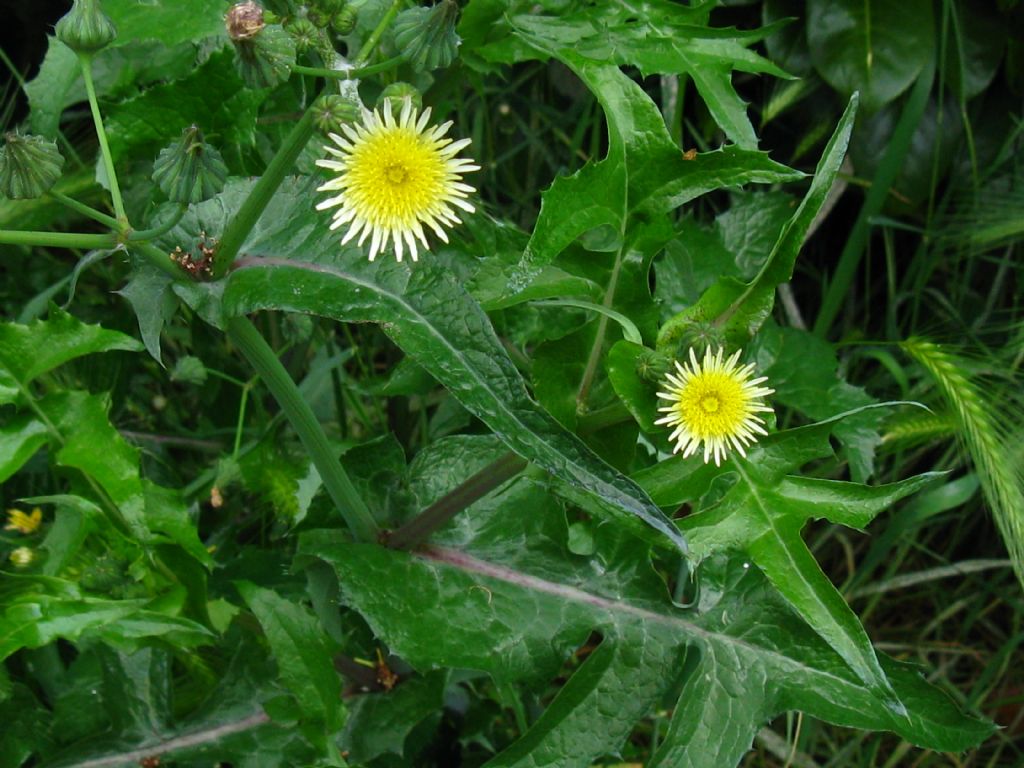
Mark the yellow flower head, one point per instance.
(714, 402)
(19, 521)
(393, 178)
(22, 557)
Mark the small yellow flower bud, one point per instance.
(22, 557)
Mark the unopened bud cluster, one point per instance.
(29, 166)
(85, 29)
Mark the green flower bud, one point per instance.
(397, 93)
(331, 110)
(304, 33)
(85, 28)
(344, 21)
(266, 59)
(22, 557)
(319, 17)
(29, 166)
(331, 6)
(190, 171)
(189, 370)
(426, 36)
(244, 21)
(651, 366)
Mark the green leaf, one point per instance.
(83, 422)
(637, 394)
(149, 293)
(872, 46)
(67, 534)
(167, 513)
(436, 323)
(597, 709)
(504, 580)
(740, 308)
(804, 372)
(213, 97)
(379, 723)
(303, 654)
(658, 37)
(712, 726)
(430, 315)
(137, 691)
(38, 610)
(29, 351)
(20, 438)
(643, 176)
(228, 726)
(156, 41)
(169, 21)
(762, 514)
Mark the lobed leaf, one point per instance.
(503, 595)
(739, 308)
(29, 351)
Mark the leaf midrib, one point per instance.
(253, 262)
(469, 563)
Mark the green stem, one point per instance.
(445, 508)
(101, 134)
(150, 234)
(243, 222)
(85, 210)
(350, 74)
(159, 259)
(56, 239)
(374, 38)
(344, 495)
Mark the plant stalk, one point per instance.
(108, 161)
(444, 509)
(56, 239)
(243, 222)
(85, 210)
(344, 495)
(163, 229)
(350, 74)
(374, 38)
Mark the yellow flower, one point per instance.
(714, 402)
(19, 521)
(393, 178)
(22, 557)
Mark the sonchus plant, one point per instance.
(517, 510)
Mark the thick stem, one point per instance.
(374, 38)
(243, 222)
(444, 509)
(57, 239)
(101, 134)
(350, 74)
(344, 495)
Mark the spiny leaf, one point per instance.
(644, 175)
(762, 515)
(29, 351)
(740, 308)
(507, 581)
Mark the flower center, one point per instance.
(396, 177)
(713, 405)
(396, 174)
